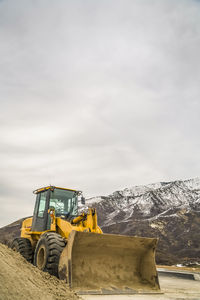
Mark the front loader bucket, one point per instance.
(93, 263)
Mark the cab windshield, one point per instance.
(65, 202)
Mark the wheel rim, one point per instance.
(41, 258)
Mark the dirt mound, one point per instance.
(19, 280)
(10, 232)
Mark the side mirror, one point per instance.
(82, 200)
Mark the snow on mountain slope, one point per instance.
(147, 201)
(169, 211)
(193, 184)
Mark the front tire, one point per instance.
(48, 251)
(24, 247)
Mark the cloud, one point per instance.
(96, 96)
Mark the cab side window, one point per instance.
(42, 204)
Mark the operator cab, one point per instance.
(63, 201)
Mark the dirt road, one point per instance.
(172, 288)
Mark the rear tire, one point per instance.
(48, 251)
(24, 247)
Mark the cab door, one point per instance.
(40, 216)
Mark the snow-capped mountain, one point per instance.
(168, 210)
(150, 201)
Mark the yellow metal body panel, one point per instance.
(26, 228)
(85, 222)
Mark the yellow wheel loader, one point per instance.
(73, 247)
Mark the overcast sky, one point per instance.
(96, 95)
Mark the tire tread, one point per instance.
(24, 247)
(55, 244)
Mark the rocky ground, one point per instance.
(20, 280)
